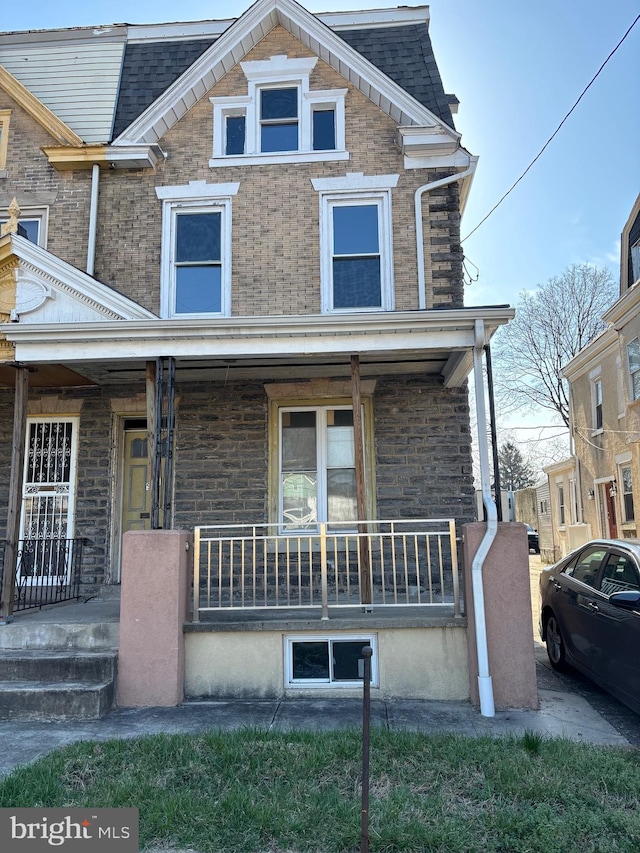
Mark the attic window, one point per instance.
(280, 120)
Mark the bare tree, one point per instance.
(551, 325)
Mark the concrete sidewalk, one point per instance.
(560, 715)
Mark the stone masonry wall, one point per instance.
(421, 435)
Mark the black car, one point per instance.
(590, 615)
(534, 542)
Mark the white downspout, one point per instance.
(93, 218)
(485, 685)
(422, 290)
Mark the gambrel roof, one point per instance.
(246, 32)
(402, 52)
(164, 69)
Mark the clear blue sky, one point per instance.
(517, 69)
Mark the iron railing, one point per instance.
(369, 564)
(47, 572)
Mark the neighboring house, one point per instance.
(233, 281)
(597, 493)
(548, 549)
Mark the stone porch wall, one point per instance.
(421, 434)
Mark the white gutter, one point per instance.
(93, 219)
(485, 686)
(422, 289)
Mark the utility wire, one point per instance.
(554, 134)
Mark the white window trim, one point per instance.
(595, 378)
(311, 683)
(197, 196)
(39, 213)
(5, 117)
(356, 189)
(632, 397)
(621, 464)
(277, 72)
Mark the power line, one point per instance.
(554, 134)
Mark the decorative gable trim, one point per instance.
(37, 110)
(236, 42)
(39, 275)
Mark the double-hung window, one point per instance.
(280, 119)
(596, 401)
(628, 509)
(633, 356)
(196, 249)
(356, 242)
(317, 478)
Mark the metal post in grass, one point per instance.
(367, 652)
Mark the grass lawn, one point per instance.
(252, 792)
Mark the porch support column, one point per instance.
(366, 596)
(153, 421)
(15, 493)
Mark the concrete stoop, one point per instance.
(56, 685)
(59, 663)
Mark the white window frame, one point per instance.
(596, 383)
(630, 373)
(311, 683)
(32, 214)
(562, 505)
(356, 189)
(624, 460)
(279, 72)
(195, 197)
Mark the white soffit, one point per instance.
(236, 42)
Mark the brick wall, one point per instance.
(36, 184)
(275, 215)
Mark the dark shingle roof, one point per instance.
(403, 53)
(148, 69)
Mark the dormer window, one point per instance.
(280, 120)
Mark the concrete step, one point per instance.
(57, 666)
(29, 700)
(56, 685)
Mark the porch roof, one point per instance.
(432, 341)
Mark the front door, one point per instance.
(136, 493)
(48, 499)
(608, 511)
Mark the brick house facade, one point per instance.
(226, 389)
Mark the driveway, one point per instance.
(623, 719)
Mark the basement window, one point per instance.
(322, 661)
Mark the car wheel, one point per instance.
(555, 643)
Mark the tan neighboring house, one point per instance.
(597, 492)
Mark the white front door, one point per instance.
(48, 500)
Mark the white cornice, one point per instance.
(625, 309)
(234, 44)
(424, 331)
(587, 357)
